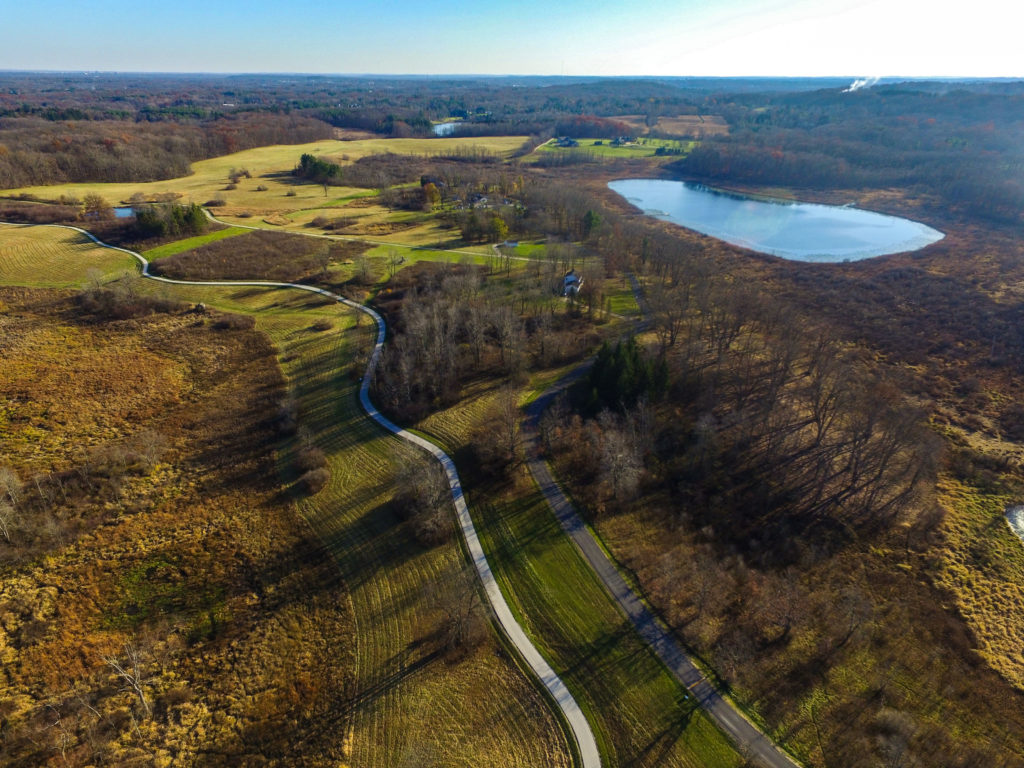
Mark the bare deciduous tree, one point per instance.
(621, 457)
(424, 497)
(322, 256)
(460, 605)
(10, 484)
(395, 259)
(8, 519)
(151, 445)
(131, 674)
(364, 274)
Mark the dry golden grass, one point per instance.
(72, 387)
(690, 126)
(983, 567)
(194, 559)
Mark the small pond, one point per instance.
(1015, 517)
(446, 129)
(123, 212)
(790, 230)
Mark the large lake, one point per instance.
(796, 231)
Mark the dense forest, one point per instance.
(961, 144)
(38, 151)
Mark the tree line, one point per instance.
(961, 145)
(35, 152)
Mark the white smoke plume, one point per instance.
(866, 82)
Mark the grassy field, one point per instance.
(270, 167)
(51, 257)
(643, 147)
(180, 246)
(641, 717)
(407, 702)
(682, 125)
(412, 255)
(371, 222)
(191, 559)
(623, 301)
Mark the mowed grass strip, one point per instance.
(641, 148)
(640, 714)
(180, 246)
(52, 257)
(623, 302)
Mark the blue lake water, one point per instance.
(1015, 517)
(795, 231)
(123, 213)
(445, 129)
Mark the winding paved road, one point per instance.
(585, 742)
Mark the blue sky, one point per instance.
(572, 37)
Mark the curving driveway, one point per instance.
(585, 742)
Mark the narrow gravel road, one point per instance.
(747, 738)
(585, 742)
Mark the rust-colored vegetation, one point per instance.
(160, 601)
(259, 255)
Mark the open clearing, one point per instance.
(286, 202)
(180, 246)
(692, 126)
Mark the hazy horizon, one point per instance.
(732, 38)
(498, 75)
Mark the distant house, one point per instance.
(571, 284)
(566, 141)
(435, 180)
(621, 141)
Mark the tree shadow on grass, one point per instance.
(659, 749)
(599, 654)
(399, 669)
(511, 540)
